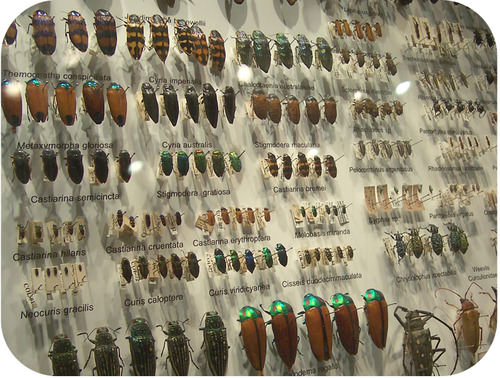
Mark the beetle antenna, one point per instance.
(451, 291)
(454, 338)
(203, 317)
(471, 286)
(267, 312)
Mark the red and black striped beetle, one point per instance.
(44, 32)
(77, 30)
(105, 28)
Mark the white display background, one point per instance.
(30, 339)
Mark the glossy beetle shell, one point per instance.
(274, 108)
(312, 110)
(287, 166)
(192, 103)
(377, 316)
(325, 53)
(200, 46)
(303, 165)
(77, 30)
(93, 97)
(12, 103)
(200, 161)
(319, 327)
(117, 102)
(229, 97)
(331, 166)
(217, 50)
(171, 103)
(215, 341)
(44, 32)
(166, 163)
(211, 104)
(21, 165)
(193, 265)
(253, 334)
(74, 162)
(105, 28)
(305, 50)
(160, 36)
(150, 102)
(244, 48)
(101, 170)
(184, 36)
(126, 269)
(11, 34)
(66, 102)
(37, 98)
(124, 161)
(293, 109)
(261, 50)
(175, 261)
(259, 103)
(346, 318)
(49, 164)
(142, 348)
(272, 164)
(182, 163)
(135, 36)
(63, 356)
(330, 110)
(284, 50)
(218, 163)
(284, 326)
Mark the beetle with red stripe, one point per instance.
(76, 28)
(44, 32)
(200, 45)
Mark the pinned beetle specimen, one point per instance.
(312, 110)
(124, 161)
(261, 50)
(100, 162)
(105, 28)
(272, 164)
(117, 102)
(66, 102)
(217, 50)
(282, 255)
(200, 46)
(63, 356)
(142, 347)
(218, 163)
(175, 261)
(192, 103)
(93, 98)
(330, 109)
(159, 32)
(436, 239)
(303, 165)
(49, 164)
(150, 102)
(178, 347)
(44, 32)
(126, 269)
(317, 165)
(229, 97)
(171, 103)
(220, 260)
(346, 318)
(305, 51)
(215, 342)
(184, 36)
(457, 239)
(419, 353)
(259, 103)
(249, 260)
(142, 262)
(331, 166)
(324, 53)
(21, 165)
(274, 108)
(162, 265)
(235, 161)
(135, 36)
(210, 103)
(193, 264)
(268, 257)
(415, 244)
(284, 50)
(77, 30)
(293, 109)
(106, 353)
(244, 48)
(166, 163)
(200, 161)
(376, 314)
(182, 163)
(12, 103)
(37, 98)
(74, 162)
(287, 166)
(319, 326)
(391, 66)
(11, 34)
(253, 334)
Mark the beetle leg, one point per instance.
(191, 356)
(162, 349)
(88, 359)
(450, 304)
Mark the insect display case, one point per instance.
(226, 187)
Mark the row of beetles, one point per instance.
(420, 355)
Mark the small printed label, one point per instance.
(239, 290)
(158, 299)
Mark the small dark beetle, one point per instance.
(101, 170)
(49, 164)
(124, 161)
(192, 103)
(74, 162)
(63, 356)
(150, 102)
(229, 103)
(171, 103)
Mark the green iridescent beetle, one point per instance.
(304, 50)
(200, 161)
(235, 161)
(182, 163)
(63, 356)
(324, 53)
(284, 50)
(268, 256)
(215, 342)
(167, 163)
(178, 348)
(261, 50)
(464, 243)
(142, 348)
(218, 163)
(244, 48)
(235, 260)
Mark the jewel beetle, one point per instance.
(272, 164)
(391, 66)
(192, 103)
(184, 36)
(274, 108)
(100, 162)
(376, 314)
(44, 32)
(317, 165)
(284, 50)
(324, 53)
(117, 102)
(330, 109)
(218, 163)
(105, 29)
(193, 264)
(235, 260)
(12, 103)
(319, 326)
(215, 342)
(171, 103)
(49, 164)
(312, 110)
(11, 34)
(284, 325)
(261, 51)
(259, 103)
(229, 97)
(142, 347)
(200, 161)
(268, 257)
(178, 348)
(160, 37)
(77, 30)
(166, 163)
(142, 263)
(162, 265)
(210, 218)
(93, 97)
(415, 244)
(267, 214)
(249, 260)
(126, 269)
(74, 162)
(178, 218)
(331, 166)
(63, 356)
(106, 353)
(200, 46)
(282, 255)
(21, 166)
(244, 48)
(305, 51)
(124, 161)
(293, 109)
(250, 215)
(287, 166)
(454, 237)
(66, 102)
(346, 319)
(182, 163)
(150, 102)
(217, 50)
(253, 334)
(37, 98)
(303, 165)
(210, 104)
(238, 215)
(176, 264)
(220, 260)
(235, 161)
(135, 36)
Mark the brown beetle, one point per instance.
(346, 56)
(385, 109)
(303, 165)
(398, 107)
(347, 28)
(274, 108)
(493, 316)
(259, 103)
(360, 57)
(391, 66)
(225, 215)
(37, 98)
(239, 215)
(267, 214)
(250, 215)
(330, 109)
(370, 107)
(11, 34)
(317, 165)
(338, 28)
(117, 102)
(287, 166)
(378, 29)
(312, 110)
(331, 166)
(272, 164)
(293, 109)
(93, 97)
(66, 102)
(12, 103)
(369, 32)
(210, 218)
(358, 29)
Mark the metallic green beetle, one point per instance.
(215, 342)
(235, 161)
(200, 161)
(63, 356)
(218, 163)
(167, 163)
(268, 256)
(305, 51)
(244, 48)
(142, 347)
(261, 50)
(284, 50)
(324, 53)
(182, 163)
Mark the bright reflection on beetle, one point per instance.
(403, 87)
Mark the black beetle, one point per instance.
(101, 170)
(21, 165)
(193, 264)
(229, 103)
(192, 103)
(124, 161)
(74, 162)
(162, 265)
(171, 103)
(142, 347)
(176, 265)
(49, 163)
(106, 353)
(210, 103)
(150, 101)
(63, 356)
